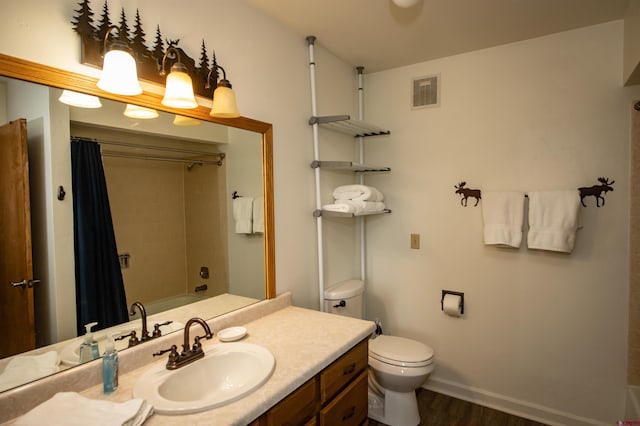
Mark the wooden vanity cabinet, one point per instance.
(335, 396)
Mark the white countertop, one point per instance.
(303, 343)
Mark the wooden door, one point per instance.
(16, 268)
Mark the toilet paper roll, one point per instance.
(452, 305)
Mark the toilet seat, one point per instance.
(400, 351)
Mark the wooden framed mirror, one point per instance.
(31, 72)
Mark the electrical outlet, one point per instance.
(415, 241)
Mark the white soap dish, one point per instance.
(231, 334)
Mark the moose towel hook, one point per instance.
(595, 191)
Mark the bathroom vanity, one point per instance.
(320, 374)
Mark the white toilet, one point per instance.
(397, 366)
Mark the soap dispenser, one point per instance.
(110, 367)
(89, 347)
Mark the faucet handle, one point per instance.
(133, 339)
(173, 352)
(197, 346)
(156, 328)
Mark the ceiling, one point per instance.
(379, 35)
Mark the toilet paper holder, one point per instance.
(457, 293)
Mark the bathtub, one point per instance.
(632, 408)
(161, 305)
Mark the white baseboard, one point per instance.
(509, 405)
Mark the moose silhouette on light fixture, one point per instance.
(465, 193)
(596, 191)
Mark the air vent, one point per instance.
(426, 92)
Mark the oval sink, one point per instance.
(228, 372)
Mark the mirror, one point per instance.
(235, 129)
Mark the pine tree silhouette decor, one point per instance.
(149, 60)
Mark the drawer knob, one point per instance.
(349, 369)
(349, 413)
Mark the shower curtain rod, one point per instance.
(220, 155)
(157, 158)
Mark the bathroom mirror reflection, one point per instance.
(170, 191)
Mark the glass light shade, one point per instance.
(179, 91)
(224, 103)
(405, 4)
(119, 74)
(80, 100)
(135, 111)
(181, 120)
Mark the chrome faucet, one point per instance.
(143, 314)
(189, 353)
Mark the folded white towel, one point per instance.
(503, 215)
(71, 409)
(554, 218)
(258, 215)
(26, 368)
(356, 207)
(243, 214)
(357, 192)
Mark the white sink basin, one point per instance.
(228, 372)
(70, 354)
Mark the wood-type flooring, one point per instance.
(441, 410)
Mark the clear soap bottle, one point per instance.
(89, 347)
(110, 367)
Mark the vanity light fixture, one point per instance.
(224, 98)
(81, 100)
(119, 70)
(178, 92)
(140, 112)
(181, 120)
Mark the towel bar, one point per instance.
(596, 191)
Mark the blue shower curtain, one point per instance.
(100, 294)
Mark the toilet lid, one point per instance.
(400, 351)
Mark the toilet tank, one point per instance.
(345, 298)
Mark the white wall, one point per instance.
(541, 331)
(268, 68)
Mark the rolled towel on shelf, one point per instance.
(554, 218)
(243, 214)
(357, 192)
(70, 408)
(363, 206)
(355, 206)
(26, 368)
(503, 216)
(339, 208)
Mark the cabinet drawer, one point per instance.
(297, 408)
(350, 407)
(342, 371)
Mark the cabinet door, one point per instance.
(349, 407)
(337, 375)
(297, 408)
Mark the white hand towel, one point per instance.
(258, 215)
(357, 192)
(26, 368)
(243, 214)
(503, 215)
(72, 409)
(554, 218)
